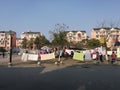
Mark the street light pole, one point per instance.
(10, 52)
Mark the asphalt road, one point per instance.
(75, 77)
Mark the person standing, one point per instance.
(97, 57)
(113, 57)
(3, 54)
(101, 57)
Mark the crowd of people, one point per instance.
(66, 52)
(62, 52)
(110, 58)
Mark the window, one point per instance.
(70, 36)
(2, 34)
(74, 38)
(79, 35)
(78, 38)
(97, 36)
(97, 32)
(2, 43)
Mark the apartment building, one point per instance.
(5, 39)
(108, 35)
(28, 35)
(18, 42)
(76, 36)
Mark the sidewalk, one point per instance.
(16, 62)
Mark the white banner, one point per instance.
(33, 57)
(69, 51)
(47, 56)
(87, 55)
(24, 57)
(109, 52)
(94, 56)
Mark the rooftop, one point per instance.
(106, 28)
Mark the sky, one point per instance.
(42, 15)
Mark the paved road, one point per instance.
(74, 77)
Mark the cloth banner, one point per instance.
(84, 51)
(33, 57)
(109, 52)
(24, 57)
(47, 56)
(94, 56)
(102, 50)
(118, 52)
(78, 56)
(87, 55)
(69, 51)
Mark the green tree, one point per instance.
(37, 42)
(59, 35)
(44, 41)
(59, 38)
(30, 43)
(41, 41)
(93, 43)
(83, 43)
(2, 49)
(24, 43)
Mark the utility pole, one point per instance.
(10, 52)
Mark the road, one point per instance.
(74, 77)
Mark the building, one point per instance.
(18, 42)
(28, 35)
(76, 36)
(5, 39)
(108, 35)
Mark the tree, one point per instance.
(37, 42)
(41, 41)
(81, 44)
(2, 49)
(30, 43)
(24, 43)
(59, 35)
(101, 24)
(93, 43)
(44, 40)
(59, 38)
(110, 24)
